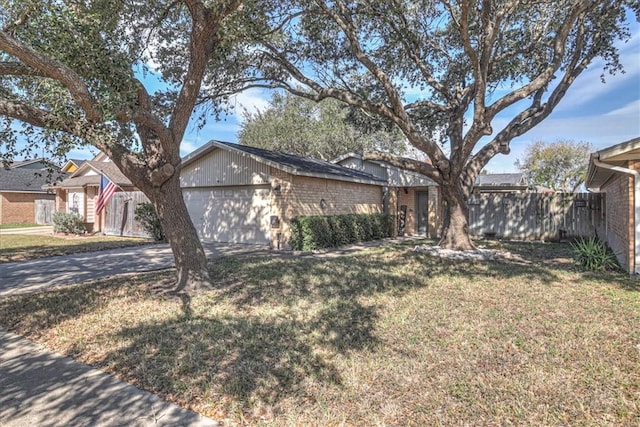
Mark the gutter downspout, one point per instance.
(636, 200)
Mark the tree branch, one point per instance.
(205, 23)
(55, 70)
(405, 163)
(14, 68)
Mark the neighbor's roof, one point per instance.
(290, 163)
(500, 179)
(616, 155)
(79, 178)
(27, 180)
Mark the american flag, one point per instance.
(106, 190)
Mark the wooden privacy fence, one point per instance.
(537, 216)
(44, 210)
(120, 212)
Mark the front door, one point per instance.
(422, 212)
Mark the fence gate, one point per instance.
(120, 214)
(537, 216)
(44, 209)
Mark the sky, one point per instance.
(602, 114)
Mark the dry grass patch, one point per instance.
(20, 247)
(382, 337)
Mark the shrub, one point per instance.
(593, 254)
(66, 222)
(326, 231)
(146, 215)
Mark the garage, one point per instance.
(238, 214)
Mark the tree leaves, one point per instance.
(560, 165)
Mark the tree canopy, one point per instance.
(72, 73)
(443, 71)
(323, 130)
(560, 165)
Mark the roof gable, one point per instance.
(290, 163)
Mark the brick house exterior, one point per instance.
(245, 194)
(615, 171)
(413, 199)
(21, 187)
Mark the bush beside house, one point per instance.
(327, 231)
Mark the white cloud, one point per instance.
(589, 87)
(187, 147)
(251, 100)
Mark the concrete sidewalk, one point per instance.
(40, 388)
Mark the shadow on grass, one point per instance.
(246, 361)
(283, 322)
(247, 281)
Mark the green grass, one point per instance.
(19, 247)
(385, 336)
(11, 226)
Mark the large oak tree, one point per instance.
(70, 75)
(443, 71)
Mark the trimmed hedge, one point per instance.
(330, 231)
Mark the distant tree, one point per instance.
(323, 130)
(560, 165)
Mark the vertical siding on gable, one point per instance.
(222, 167)
(365, 166)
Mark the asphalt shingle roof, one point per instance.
(27, 180)
(302, 164)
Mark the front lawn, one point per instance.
(384, 336)
(19, 247)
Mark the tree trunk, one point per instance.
(190, 258)
(455, 230)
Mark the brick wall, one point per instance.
(19, 208)
(298, 195)
(619, 218)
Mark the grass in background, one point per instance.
(19, 247)
(11, 226)
(385, 336)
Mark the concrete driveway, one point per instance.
(34, 275)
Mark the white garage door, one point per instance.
(230, 214)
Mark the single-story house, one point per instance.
(500, 183)
(410, 196)
(243, 194)
(22, 197)
(78, 193)
(615, 171)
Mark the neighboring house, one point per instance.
(22, 197)
(412, 197)
(242, 194)
(500, 183)
(78, 193)
(72, 165)
(615, 171)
